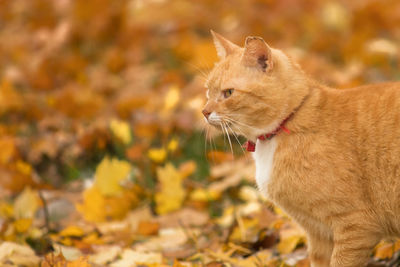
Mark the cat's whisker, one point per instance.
(213, 146)
(242, 123)
(203, 74)
(207, 65)
(223, 131)
(227, 134)
(235, 123)
(205, 143)
(237, 139)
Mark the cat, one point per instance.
(329, 158)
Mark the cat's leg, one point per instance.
(353, 245)
(319, 250)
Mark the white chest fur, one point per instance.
(264, 158)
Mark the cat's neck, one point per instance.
(309, 113)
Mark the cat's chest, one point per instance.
(264, 159)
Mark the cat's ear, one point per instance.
(257, 54)
(224, 47)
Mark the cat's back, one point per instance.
(373, 108)
(371, 93)
(367, 119)
(367, 123)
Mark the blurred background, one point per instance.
(100, 120)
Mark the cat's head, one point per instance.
(252, 89)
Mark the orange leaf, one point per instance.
(148, 228)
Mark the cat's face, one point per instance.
(246, 90)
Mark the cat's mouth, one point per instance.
(222, 124)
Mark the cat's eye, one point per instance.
(227, 92)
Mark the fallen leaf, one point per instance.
(71, 230)
(131, 258)
(17, 254)
(288, 244)
(172, 193)
(82, 261)
(186, 217)
(8, 149)
(157, 155)
(26, 204)
(135, 152)
(218, 157)
(68, 252)
(121, 130)
(105, 254)
(22, 225)
(148, 228)
(109, 175)
(172, 98)
(52, 260)
(386, 250)
(98, 208)
(167, 239)
(187, 168)
(173, 145)
(201, 194)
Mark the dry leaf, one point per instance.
(148, 228)
(109, 175)
(18, 254)
(289, 243)
(8, 149)
(122, 130)
(172, 193)
(105, 254)
(131, 258)
(172, 98)
(157, 155)
(22, 225)
(72, 230)
(26, 204)
(172, 145)
(81, 262)
(97, 208)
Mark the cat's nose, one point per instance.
(206, 113)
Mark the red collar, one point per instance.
(251, 146)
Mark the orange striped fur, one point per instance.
(337, 174)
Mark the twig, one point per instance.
(46, 212)
(192, 238)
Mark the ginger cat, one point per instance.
(329, 158)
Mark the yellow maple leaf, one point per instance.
(109, 175)
(26, 204)
(122, 130)
(97, 207)
(171, 194)
(157, 155)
